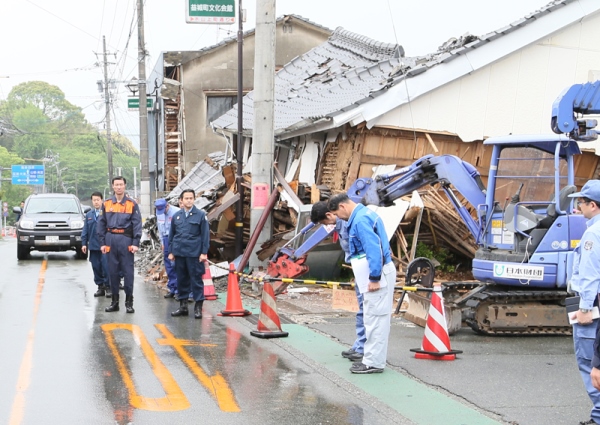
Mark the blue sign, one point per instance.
(28, 174)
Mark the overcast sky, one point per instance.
(60, 41)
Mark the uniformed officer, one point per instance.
(189, 240)
(90, 242)
(164, 216)
(585, 281)
(120, 230)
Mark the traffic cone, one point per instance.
(234, 298)
(436, 341)
(209, 286)
(268, 325)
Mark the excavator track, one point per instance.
(509, 312)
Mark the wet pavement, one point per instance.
(63, 360)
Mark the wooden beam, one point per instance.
(286, 186)
(430, 140)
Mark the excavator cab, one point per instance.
(533, 233)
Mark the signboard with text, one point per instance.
(133, 103)
(28, 174)
(210, 11)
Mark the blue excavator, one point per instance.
(523, 221)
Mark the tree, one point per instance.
(12, 194)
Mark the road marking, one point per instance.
(174, 400)
(216, 385)
(18, 407)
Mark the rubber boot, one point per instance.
(114, 306)
(198, 309)
(108, 292)
(182, 310)
(129, 303)
(100, 292)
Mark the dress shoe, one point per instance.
(198, 309)
(100, 292)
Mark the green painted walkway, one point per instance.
(413, 400)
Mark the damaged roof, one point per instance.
(205, 178)
(336, 83)
(176, 58)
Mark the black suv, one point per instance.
(50, 222)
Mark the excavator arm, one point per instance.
(448, 170)
(578, 99)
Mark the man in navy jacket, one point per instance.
(189, 240)
(90, 242)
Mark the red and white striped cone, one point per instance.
(436, 341)
(269, 325)
(209, 286)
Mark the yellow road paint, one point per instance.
(18, 408)
(174, 400)
(216, 385)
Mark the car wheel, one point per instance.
(22, 252)
(80, 255)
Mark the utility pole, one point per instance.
(107, 114)
(239, 215)
(264, 107)
(145, 196)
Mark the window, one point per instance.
(217, 106)
(533, 168)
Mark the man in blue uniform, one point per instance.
(320, 214)
(164, 216)
(90, 242)
(189, 240)
(120, 230)
(375, 275)
(585, 282)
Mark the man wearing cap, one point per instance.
(585, 282)
(164, 215)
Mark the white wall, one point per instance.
(512, 95)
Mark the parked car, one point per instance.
(50, 222)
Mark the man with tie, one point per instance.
(89, 241)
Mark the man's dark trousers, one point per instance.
(99, 267)
(189, 278)
(169, 268)
(120, 259)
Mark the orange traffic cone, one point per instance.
(234, 298)
(436, 341)
(268, 325)
(209, 286)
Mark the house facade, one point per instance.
(194, 88)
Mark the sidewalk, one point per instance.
(521, 381)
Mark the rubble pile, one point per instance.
(214, 183)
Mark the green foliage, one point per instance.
(447, 259)
(12, 194)
(39, 122)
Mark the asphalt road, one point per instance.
(63, 360)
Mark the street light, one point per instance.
(133, 85)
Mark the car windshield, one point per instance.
(52, 206)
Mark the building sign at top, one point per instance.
(210, 11)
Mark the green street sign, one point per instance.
(210, 11)
(134, 102)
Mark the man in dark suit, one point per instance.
(90, 242)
